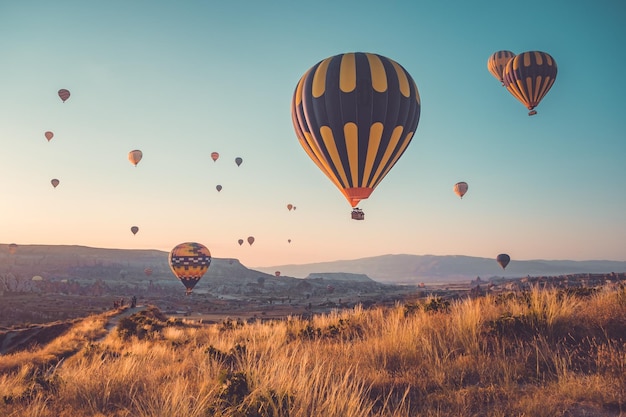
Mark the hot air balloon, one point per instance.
(54, 182)
(218, 188)
(148, 271)
(49, 135)
(189, 261)
(214, 156)
(330, 289)
(277, 273)
(12, 248)
(250, 240)
(288, 240)
(135, 156)
(460, 188)
(134, 229)
(496, 63)
(503, 259)
(289, 207)
(238, 161)
(240, 241)
(354, 115)
(64, 94)
(529, 76)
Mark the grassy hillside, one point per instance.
(534, 353)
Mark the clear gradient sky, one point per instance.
(180, 80)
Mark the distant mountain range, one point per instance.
(412, 269)
(70, 261)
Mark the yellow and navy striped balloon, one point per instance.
(529, 76)
(355, 114)
(189, 261)
(496, 63)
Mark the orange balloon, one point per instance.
(49, 135)
(250, 240)
(214, 156)
(135, 156)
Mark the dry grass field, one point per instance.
(532, 353)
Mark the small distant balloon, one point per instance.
(49, 135)
(503, 259)
(529, 76)
(238, 161)
(496, 63)
(214, 156)
(148, 271)
(460, 188)
(289, 207)
(64, 94)
(218, 188)
(12, 248)
(134, 229)
(288, 240)
(240, 241)
(55, 182)
(250, 240)
(135, 156)
(277, 273)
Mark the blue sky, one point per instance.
(180, 80)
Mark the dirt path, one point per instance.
(113, 320)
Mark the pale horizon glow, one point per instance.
(181, 80)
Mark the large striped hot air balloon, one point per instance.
(496, 63)
(355, 114)
(189, 261)
(529, 76)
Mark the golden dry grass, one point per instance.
(539, 353)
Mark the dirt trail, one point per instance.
(113, 320)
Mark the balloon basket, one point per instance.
(532, 112)
(357, 214)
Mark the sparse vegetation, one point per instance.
(534, 353)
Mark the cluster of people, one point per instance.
(120, 303)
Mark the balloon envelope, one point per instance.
(134, 229)
(503, 259)
(135, 156)
(354, 115)
(218, 188)
(189, 261)
(289, 207)
(460, 188)
(64, 94)
(277, 273)
(529, 76)
(55, 182)
(49, 135)
(12, 248)
(250, 240)
(238, 161)
(496, 63)
(214, 156)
